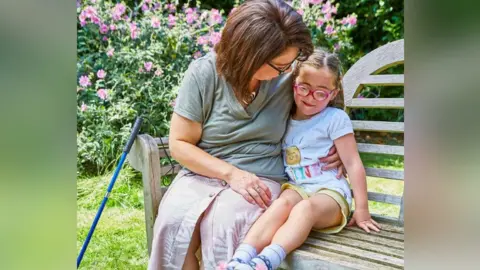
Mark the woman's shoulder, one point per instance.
(204, 67)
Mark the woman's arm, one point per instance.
(183, 139)
(347, 149)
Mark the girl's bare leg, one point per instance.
(263, 230)
(319, 211)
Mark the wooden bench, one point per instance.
(352, 248)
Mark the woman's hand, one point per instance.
(362, 218)
(333, 161)
(250, 187)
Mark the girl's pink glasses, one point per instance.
(319, 94)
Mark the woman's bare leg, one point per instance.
(263, 230)
(191, 261)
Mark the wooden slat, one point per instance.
(167, 169)
(386, 219)
(384, 103)
(162, 141)
(371, 238)
(311, 258)
(385, 198)
(162, 150)
(378, 126)
(385, 173)
(383, 80)
(356, 252)
(382, 233)
(380, 149)
(377, 248)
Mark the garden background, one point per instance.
(131, 56)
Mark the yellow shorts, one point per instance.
(334, 195)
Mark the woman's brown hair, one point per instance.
(321, 58)
(255, 33)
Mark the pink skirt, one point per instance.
(227, 217)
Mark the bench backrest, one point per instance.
(364, 72)
(147, 151)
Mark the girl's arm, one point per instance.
(347, 149)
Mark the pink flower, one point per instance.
(83, 108)
(328, 16)
(148, 66)
(84, 81)
(189, 11)
(118, 11)
(215, 17)
(215, 37)
(171, 7)
(134, 31)
(202, 40)
(337, 46)
(144, 7)
(171, 20)
(113, 27)
(173, 102)
(352, 20)
(191, 17)
(90, 12)
(326, 8)
(105, 38)
(158, 72)
(104, 29)
(155, 22)
(101, 74)
(197, 54)
(96, 20)
(344, 21)
(329, 30)
(110, 52)
(320, 23)
(102, 94)
(315, 2)
(148, 1)
(300, 11)
(82, 18)
(334, 10)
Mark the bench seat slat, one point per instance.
(380, 103)
(380, 149)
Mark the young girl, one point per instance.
(312, 198)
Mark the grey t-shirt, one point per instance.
(250, 138)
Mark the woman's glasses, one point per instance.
(282, 70)
(318, 94)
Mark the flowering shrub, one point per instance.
(130, 62)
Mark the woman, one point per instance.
(226, 130)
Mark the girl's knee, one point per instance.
(305, 207)
(282, 204)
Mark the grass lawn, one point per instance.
(119, 241)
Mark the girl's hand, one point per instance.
(333, 161)
(250, 187)
(362, 218)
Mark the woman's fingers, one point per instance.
(266, 190)
(340, 172)
(258, 199)
(332, 165)
(247, 196)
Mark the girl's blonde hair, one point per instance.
(321, 58)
